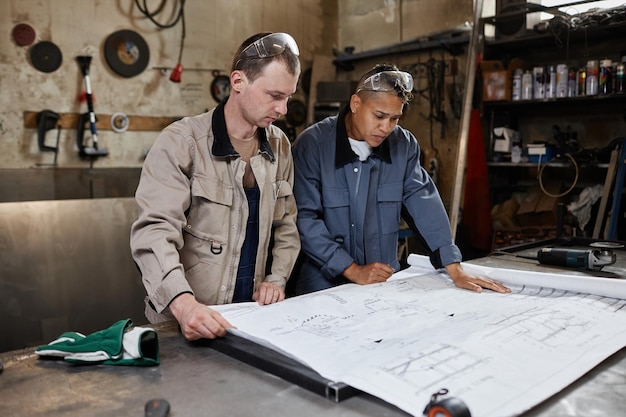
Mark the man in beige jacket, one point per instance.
(217, 216)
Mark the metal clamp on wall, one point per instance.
(46, 120)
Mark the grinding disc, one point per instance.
(23, 34)
(220, 87)
(296, 113)
(127, 53)
(46, 56)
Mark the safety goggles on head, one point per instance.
(388, 81)
(271, 45)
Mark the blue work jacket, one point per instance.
(350, 211)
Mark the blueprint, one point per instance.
(405, 339)
(608, 287)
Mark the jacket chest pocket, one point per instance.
(336, 203)
(389, 197)
(282, 194)
(209, 215)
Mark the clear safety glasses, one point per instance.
(388, 81)
(271, 45)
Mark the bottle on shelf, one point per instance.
(550, 82)
(572, 82)
(539, 86)
(516, 93)
(527, 85)
(561, 80)
(605, 83)
(582, 81)
(591, 88)
(619, 76)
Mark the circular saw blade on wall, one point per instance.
(46, 56)
(126, 53)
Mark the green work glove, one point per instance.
(120, 344)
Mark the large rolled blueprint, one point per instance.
(407, 338)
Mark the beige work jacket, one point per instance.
(193, 213)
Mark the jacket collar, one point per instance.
(343, 151)
(221, 144)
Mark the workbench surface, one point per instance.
(199, 381)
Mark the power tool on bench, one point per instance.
(600, 255)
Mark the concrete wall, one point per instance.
(214, 29)
(369, 26)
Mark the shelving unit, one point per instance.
(599, 120)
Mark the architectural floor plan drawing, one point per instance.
(407, 338)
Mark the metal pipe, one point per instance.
(470, 71)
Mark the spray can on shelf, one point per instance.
(619, 76)
(591, 87)
(572, 82)
(605, 83)
(561, 80)
(539, 86)
(582, 81)
(551, 82)
(516, 93)
(527, 85)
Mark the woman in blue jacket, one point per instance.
(354, 172)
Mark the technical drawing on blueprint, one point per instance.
(405, 339)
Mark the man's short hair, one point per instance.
(253, 66)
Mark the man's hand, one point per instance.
(368, 274)
(268, 293)
(472, 282)
(196, 320)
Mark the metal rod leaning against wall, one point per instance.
(470, 71)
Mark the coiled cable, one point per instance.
(546, 192)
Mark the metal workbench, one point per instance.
(198, 380)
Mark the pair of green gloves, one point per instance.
(120, 344)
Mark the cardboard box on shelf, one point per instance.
(496, 82)
(498, 79)
(538, 208)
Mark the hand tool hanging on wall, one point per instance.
(88, 118)
(46, 120)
